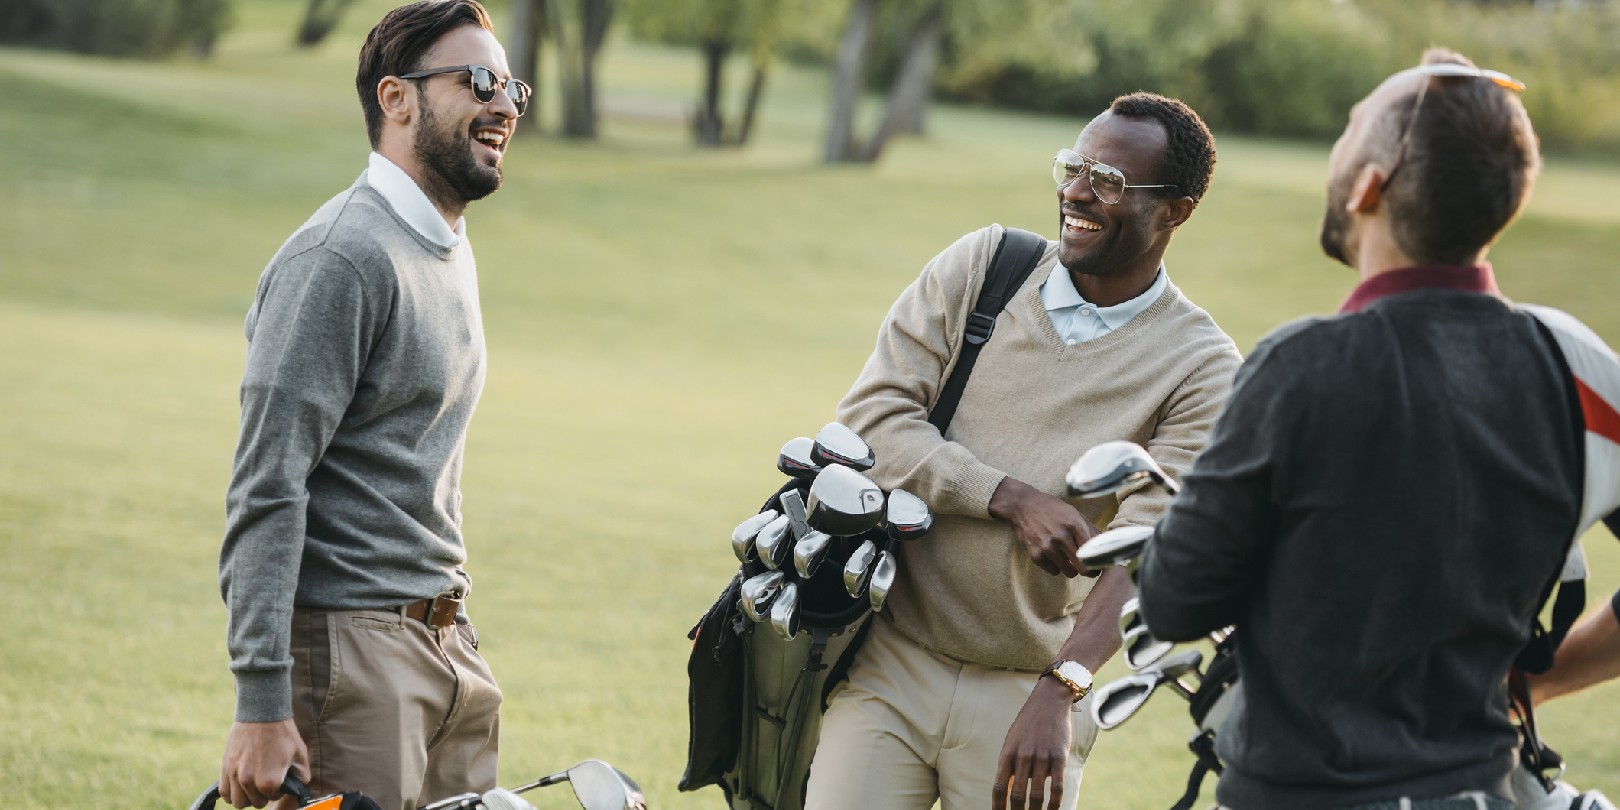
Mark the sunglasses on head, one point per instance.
(1107, 182)
(1446, 70)
(484, 83)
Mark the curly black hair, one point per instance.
(1189, 148)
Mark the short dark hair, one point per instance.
(398, 41)
(1471, 160)
(1189, 151)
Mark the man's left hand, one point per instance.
(1037, 749)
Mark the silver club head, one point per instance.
(597, 786)
(858, 569)
(774, 543)
(883, 572)
(1114, 547)
(794, 460)
(793, 506)
(1116, 701)
(844, 503)
(906, 517)
(1142, 650)
(809, 552)
(1115, 467)
(785, 612)
(758, 591)
(503, 799)
(742, 537)
(836, 444)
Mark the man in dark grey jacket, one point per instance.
(355, 664)
(1388, 491)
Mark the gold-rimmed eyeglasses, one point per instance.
(1107, 182)
(1445, 70)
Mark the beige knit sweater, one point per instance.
(1030, 408)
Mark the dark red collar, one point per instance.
(1462, 278)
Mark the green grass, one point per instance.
(660, 319)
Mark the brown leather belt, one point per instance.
(440, 611)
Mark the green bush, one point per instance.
(115, 27)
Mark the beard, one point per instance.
(1336, 220)
(447, 155)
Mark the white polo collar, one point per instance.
(1059, 293)
(411, 203)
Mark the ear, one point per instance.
(1366, 191)
(397, 100)
(1174, 212)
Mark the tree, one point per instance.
(523, 41)
(908, 95)
(320, 17)
(578, 30)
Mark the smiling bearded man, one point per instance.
(963, 689)
(356, 665)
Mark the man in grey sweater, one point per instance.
(341, 568)
(963, 689)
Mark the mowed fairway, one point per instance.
(660, 320)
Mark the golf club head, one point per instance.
(1114, 467)
(809, 552)
(883, 572)
(1177, 665)
(773, 543)
(1114, 547)
(503, 799)
(758, 591)
(1142, 650)
(785, 612)
(906, 517)
(793, 506)
(794, 460)
(844, 503)
(1116, 701)
(836, 444)
(742, 537)
(597, 786)
(859, 568)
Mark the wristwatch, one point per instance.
(1073, 674)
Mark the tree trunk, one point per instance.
(908, 97)
(320, 17)
(756, 88)
(577, 45)
(708, 126)
(849, 66)
(523, 45)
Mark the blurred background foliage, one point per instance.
(1284, 68)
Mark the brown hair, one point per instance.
(1471, 161)
(396, 44)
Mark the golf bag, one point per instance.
(756, 699)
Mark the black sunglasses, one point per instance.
(484, 84)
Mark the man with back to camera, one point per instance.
(1389, 490)
(355, 663)
(964, 687)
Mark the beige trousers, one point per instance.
(911, 727)
(405, 713)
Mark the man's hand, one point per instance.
(1037, 748)
(1051, 530)
(258, 757)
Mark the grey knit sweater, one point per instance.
(1030, 408)
(365, 360)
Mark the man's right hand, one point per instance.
(1051, 529)
(258, 757)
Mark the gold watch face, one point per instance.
(1075, 675)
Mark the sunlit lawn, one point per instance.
(660, 320)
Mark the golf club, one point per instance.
(742, 537)
(809, 552)
(906, 517)
(773, 544)
(1114, 547)
(1116, 701)
(758, 591)
(844, 503)
(1141, 648)
(883, 572)
(793, 506)
(597, 785)
(785, 612)
(836, 444)
(859, 568)
(1114, 467)
(794, 460)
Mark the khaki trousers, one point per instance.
(405, 713)
(911, 727)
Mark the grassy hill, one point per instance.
(660, 320)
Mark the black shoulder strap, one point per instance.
(1013, 261)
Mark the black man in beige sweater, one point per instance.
(970, 686)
